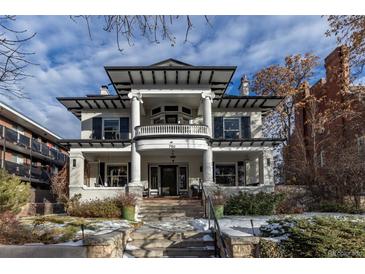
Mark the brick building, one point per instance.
(336, 87)
(29, 151)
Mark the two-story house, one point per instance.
(169, 126)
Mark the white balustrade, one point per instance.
(171, 129)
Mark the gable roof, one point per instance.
(170, 62)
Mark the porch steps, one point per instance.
(163, 209)
(154, 243)
(167, 231)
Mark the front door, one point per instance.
(168, 180)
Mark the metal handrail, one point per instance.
(215, 228)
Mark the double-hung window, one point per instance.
(117, 175)
(231, 127)
(111, 128)
(225, 174)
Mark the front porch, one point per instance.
(97, 173)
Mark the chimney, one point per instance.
(337, 68)
(104, 90)
(244, 86)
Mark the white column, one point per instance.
(135, 185)
(207, 110)
(208, 166)
(208, 154)
(77, 163)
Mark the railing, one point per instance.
(172, 129)
(219, 243)
(14, 137)
(17, 169)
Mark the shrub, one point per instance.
(319, 237)
(12, 231)
(13, 193)
(336, 206)
(252, 204)
(107, 208)
(126, 199)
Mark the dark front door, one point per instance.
(168, 180)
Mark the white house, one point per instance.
(169, 126)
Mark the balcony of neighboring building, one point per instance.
(14, 140)
(30, 173)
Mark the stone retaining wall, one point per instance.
(242, 247)
(110, 245)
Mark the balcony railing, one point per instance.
(14, 137)
(173, 130)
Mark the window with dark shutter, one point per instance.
(124, 127)
(218, 127)
(97, 125)
(246, 127)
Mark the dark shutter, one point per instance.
(246, 127)
(101, 173)
(213, 172)
(124, 127)
(97, 124)
(129, 171)
(218, 127)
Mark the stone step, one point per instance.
(152, 234)
(164, 243)
(200, 252)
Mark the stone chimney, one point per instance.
(244, 86)
(338, 69)
(104, 90)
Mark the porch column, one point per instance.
(207, 110)
(77, 172)
(208, 166)
(135, 184)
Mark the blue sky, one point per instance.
(71, 64)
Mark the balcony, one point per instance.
(185, 131)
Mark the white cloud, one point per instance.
(70, 64)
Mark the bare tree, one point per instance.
(60, 184)
(152, 27)
(13, 59)
(284, 80)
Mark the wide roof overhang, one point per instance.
(217, 78)
(253, 142)
(93, 143)
(231, 101)
(76, 104)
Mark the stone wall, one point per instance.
(32, 209)
(110, 245)
(241, 247)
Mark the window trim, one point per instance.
(239, 126)
(103, 127)
(228, 164)
(106, 174)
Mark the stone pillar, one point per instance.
(266, 170)
(77, 165)
(135, 186)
